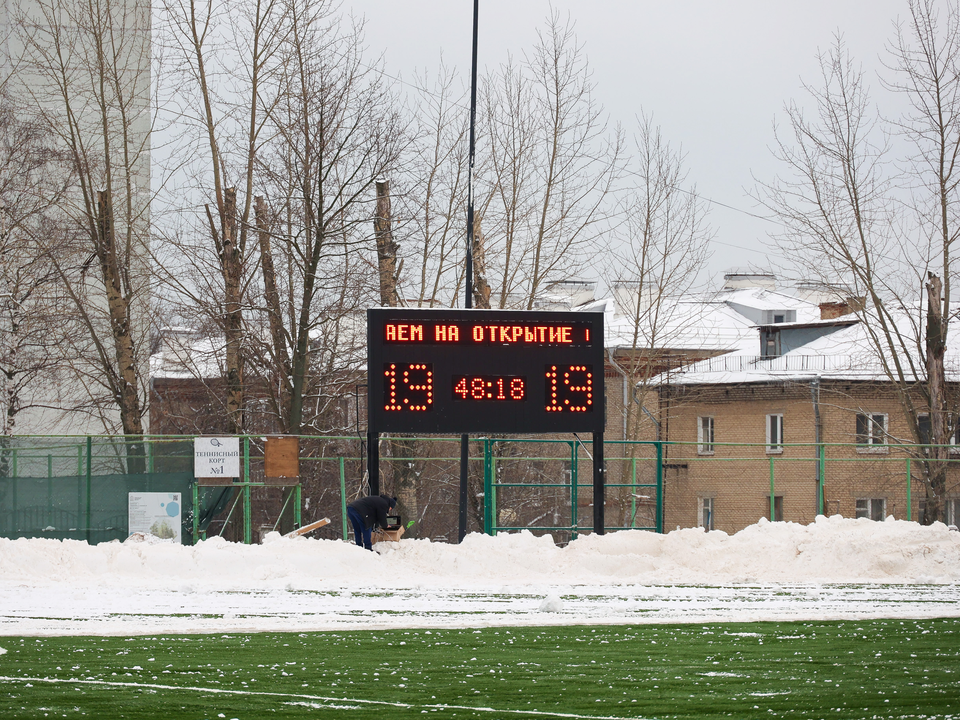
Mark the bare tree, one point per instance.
(221, 56)
(334, 131)
(430, 194)
(294, 129)
(661, 248)
(552, 169)
(886, 229)
(86, 75)
(33, 179)
(548, 170)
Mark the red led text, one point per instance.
(408, 387)
(569, 388)
(399, 332)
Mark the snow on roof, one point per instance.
(184, 355)
(846, 353)
(685, 325)
(762, 299)
(725, 321)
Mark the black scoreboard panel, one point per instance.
(490, 371)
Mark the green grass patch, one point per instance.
(816, 670)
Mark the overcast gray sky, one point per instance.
(713, 74)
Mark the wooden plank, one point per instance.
(308, 528)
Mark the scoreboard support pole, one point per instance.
(373, 461)
(464, 476)
(599, 483)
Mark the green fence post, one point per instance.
(196, 511)
(659, 446)
(494, 494)
(80, 484)
(773, 505)
(343, 499)
(822, 478)
(247, 494)
(489, 507)
(909, 483)
(574, 499)
(89, 483)
(15, 504)
(298, 501)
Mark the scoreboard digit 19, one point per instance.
(487, 371)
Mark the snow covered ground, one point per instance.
(835, 568)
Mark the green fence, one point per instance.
(78, 487)
(796, 482)
(634, 470)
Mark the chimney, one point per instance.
(737, 280)
(834, 310)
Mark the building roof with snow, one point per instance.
(835, 349)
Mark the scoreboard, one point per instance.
(487, 371)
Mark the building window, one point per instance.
(955, 437)
(769, 343)
(777, 508)
(705, 435)
(871, 429)
(775, 433)
(705, 513)
(951, 511)
(923, 426)
(777, 317)
(873, 508)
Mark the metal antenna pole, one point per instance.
(468, 269)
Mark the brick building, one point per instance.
(806, 423)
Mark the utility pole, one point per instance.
(468, 270)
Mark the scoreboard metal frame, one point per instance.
(484, 371)
(438, 371)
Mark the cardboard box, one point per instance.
(387, 535)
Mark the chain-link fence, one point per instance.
(78, 488)
(727, 486)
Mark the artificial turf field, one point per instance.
(844, 670)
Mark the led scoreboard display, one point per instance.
(489, 371)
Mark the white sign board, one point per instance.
(155, 513)
(216, 457)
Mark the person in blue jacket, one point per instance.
(367, 512)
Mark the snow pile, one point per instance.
(834, 568)
(830, 550)
(552, 603)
